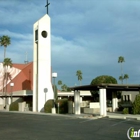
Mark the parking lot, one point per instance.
(17, 126)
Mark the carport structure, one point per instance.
(102, 88)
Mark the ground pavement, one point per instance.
(41, 126)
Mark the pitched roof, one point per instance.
(21, 66)
(22, 77)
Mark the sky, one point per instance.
(85, 35)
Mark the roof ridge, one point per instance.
(27, 65)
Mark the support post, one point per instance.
(102, 96)
(114, 102)
(101, 101)
(77, 102)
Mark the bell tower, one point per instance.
(42, 87)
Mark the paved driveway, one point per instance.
(15, 126)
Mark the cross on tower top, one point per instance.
(47, 6)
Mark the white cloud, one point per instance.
(72, 51)
(20, 44)
(87, 35)
(19, 12)
(16, 35)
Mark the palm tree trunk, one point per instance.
(80, 82)
(3, 86)
(6, 89)
(4, 52)
(4, 81)
(122, 73)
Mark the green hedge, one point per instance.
(136, 105)
(63, 106)
(125, 111)
(48, 106)
(14, 106)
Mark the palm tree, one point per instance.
(59, 82)
(6, 64)
(121, 60)
(121, 79)
(79, 75)
(126, 77)
(64, 87)
(5, 41)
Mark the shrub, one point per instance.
(125, 111)
(63, 106)
(14, 106)
(48, 106)
(136, 105)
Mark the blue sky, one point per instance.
(86, 35)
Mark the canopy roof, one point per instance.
(113, 87)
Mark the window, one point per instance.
(125, 98)
(128, 97)
(44, 34)
(36, 35)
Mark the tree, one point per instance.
(6, 64)
(64, 87)
(121, 60)
(59, 82)
(136, 105)
(79, 75)
(5, 41)
(126, 77)
(106, 79)
(121, 78)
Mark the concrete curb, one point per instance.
(124, 117)
(81, 116)
(116, 117)
(35, 113)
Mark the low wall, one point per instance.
(94, 110)
(84, 104)
(1, 107)
(90, 110)
(21, 106)
(94, 105)
(109, 109)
